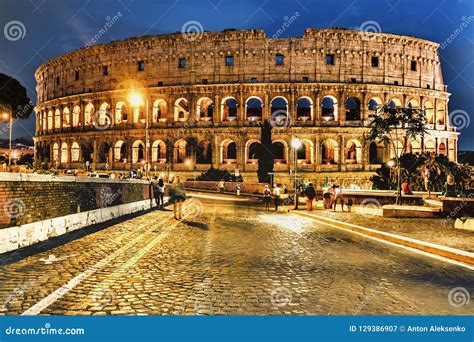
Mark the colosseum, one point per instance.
(174, 104)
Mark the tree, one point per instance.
(390, 125)
(13, 97)
(265, 157)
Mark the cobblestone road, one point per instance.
(232, 259)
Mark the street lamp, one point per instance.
(9, 116)
(296, 144)
(136, 100)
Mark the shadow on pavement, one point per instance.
(199, 225)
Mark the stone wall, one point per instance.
(29, 198)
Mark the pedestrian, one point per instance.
(310, 195)
(238, 187)
(327, 197)
(450, 187)
(267, 196)
(276, 195)
(406, 189)
(178, 196)
(154, 186)
(161, 193)
(221, 186)
(338, 197)
(426, 174)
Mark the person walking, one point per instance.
(338, 197)
(276, 195)
(154, 186)
(178, 196)
(221, 186)
(310, 195)
(160, 188)
(267, 196)
(327, 200)
(237, 188)
(426, 174)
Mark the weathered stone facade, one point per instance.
(207, 97)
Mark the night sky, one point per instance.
(49, 28)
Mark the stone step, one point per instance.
(433, 203)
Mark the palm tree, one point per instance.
(390, 125)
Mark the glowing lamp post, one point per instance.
(136, 100)
(296, 144)
(9, 116)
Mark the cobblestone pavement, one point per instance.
(230, 259)
(435, 230)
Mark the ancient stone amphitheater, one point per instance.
(206, 97)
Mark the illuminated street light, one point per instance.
(391, 163)
(9, 116)
(135, 99)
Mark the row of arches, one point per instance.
(205, 108)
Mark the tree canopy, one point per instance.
(13, 97)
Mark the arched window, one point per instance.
(204, 152)
(64, 153)
(120, 151)
(442, 149)
(88, 112)
(104, 117)
(429, 110)
(160, 111)
(430, 146)
(104, 151)
(440, 114)
(87, 151)
(352, 108)
(55, 152)
(229, 109)
(414, 147)
(375, 153)
(158, 152)
(76, 116)
(205, 109)
(394, 103)
(57, 118)
(353, 152)
(180, 154)
(254, 151)
(279, 152)
(329, 108)
(121, 115)
(374, 103)
(330, 152)
(66, 117)
(229, 152)
(50, 120)
(279, 104)
(138, 151)
(75, 152)
(304, 109)
(413, 104)
(253, 108)
(181, 110)
(304, 154)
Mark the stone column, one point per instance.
(342, 108)
(364, 107)
(266, 107)
(217, 109)
(317, 107)
(241, 106)
(342, 153)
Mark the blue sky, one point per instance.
(53, 27)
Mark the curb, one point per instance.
(428, 247)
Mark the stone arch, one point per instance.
(376, 153)
(305, 153)
(430, 146)
(88, 113)
(75, 152)
(76, 116)
(181, 109)
(120, 151)
(278, 104)
(121, 115)
(103, 154)
(160, 110)
(180, 151)
(394, 102)
(87, 151)
(205, 109)
(64, 153)
(440, 114)
(330, 151)
(280, 152)
(253, 108)
(57, 118)
(353, 152)
(374, 103)
(414, 146)
(158, 152)
(66, 117)
(352, 108)
(413, 104)
(55, 152)
(442, 151)
(304, 108)
(329, 107)
(204, 152)
(229, 107)
(228, 152)
(103, 117)
(429, 112)
(50, 120)
(253, 151)
(138, 151)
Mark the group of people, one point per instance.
(449, 188)
(176, 191)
